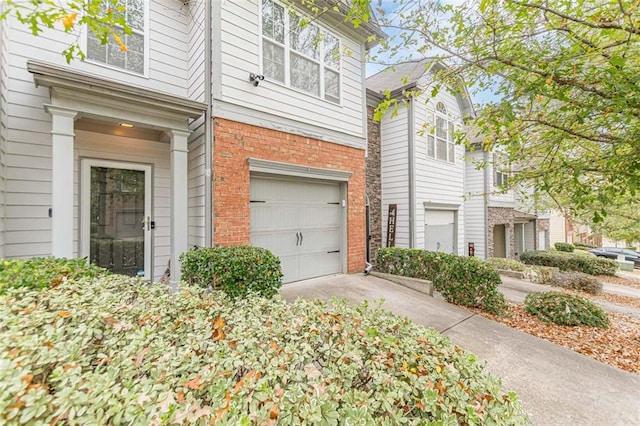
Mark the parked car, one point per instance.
(614, 252)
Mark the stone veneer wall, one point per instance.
(500, 216)
(374, 184)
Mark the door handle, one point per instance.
(301, 238)
(147, 224)
(297, 238)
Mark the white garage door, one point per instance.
(300, 222)
(439, 230)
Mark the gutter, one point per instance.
(412, 173)
(208, 130)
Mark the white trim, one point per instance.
(85, 205)
(257, 165)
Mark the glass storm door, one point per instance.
(116, 216)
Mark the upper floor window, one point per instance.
(298, 53)
(128, 55)
(440, 141)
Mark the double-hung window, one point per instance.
(128, 55)
(440, 140)
(299, 53)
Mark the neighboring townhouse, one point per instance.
(223, 123)
(497, 223)
(421, 168)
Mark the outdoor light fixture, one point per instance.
(127, 125)
(255, 78)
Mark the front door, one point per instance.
(116, 216)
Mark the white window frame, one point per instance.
(145, 67)
(432, 138)
(287, 55)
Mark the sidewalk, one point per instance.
(556, 385)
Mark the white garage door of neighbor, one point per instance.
(300, 222)
(439, 231)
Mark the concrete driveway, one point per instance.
(556, 385)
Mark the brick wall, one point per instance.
(235, 142)
(374, 186)
(500, 216)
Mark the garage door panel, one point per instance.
(319, 216)
(282, 209)
(272, 217)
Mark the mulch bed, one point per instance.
(618, 345)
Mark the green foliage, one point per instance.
(465, 281)
(567, 247)
(571, 262)
(565, 309)
(43, 272)
(237, 271)
(507, 264)
(101, 17)
(116, 351)
(577, 281)
(583, 246)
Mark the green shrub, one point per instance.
(565, 309)
(507, 264)
(465, 281)
(237, 271)
(571, 262)
(541, 274)
(42, 272)
(114, 351)
(583, 245)
(567, 247)
(577, 281)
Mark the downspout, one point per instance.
(485, 154)
(412, 174)
(208, 130)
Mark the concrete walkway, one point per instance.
(556, 385)
(516, 290)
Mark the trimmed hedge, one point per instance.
(43, 272)
(237, 271)
(114, 351)
(567, 247)
(583, 245)
(571, 262)
(465, 281)
(506, 264)
(565, 309)
(577, 281)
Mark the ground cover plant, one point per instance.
(565, 309)
(114, 350)
(570, 262)
(44, 272)
(462, 280)
(506, 264)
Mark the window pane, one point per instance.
(135, 43)
(135, 14)
(441, 108)
(273, 61)
(441, 129)
(331, 51)
(304, 38)
(331, 85)
(441, 150)
(115, 54)
(431, 146)
(273, 20)
(451, 131)
(305, 74)
(452, 153)
(135, 62)
(96, 50)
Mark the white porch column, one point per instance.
(179, 200)
(62, 138)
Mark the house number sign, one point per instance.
(391, 225)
